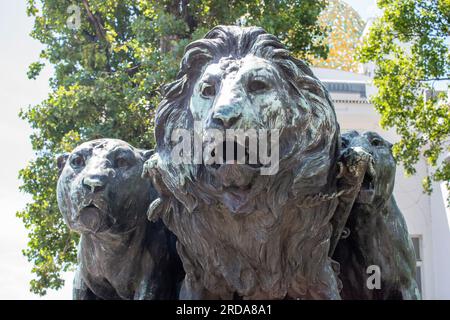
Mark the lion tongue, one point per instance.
(90, 218)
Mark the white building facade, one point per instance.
(427, 217)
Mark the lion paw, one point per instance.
(150, 166)
(357, 160)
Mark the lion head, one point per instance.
(378, 183)
(100, 188)
(244, 79)
(242, 231)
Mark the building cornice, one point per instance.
(351, 101)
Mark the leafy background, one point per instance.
(107, 76)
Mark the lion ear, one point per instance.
(146, 154)
(61, 162)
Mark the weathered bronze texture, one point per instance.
(102, 196)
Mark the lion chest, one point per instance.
(257, 256)
(108, 271)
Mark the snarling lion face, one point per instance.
(378, 184)
(100, 188)
(243, 79)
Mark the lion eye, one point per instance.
(208, 90)
(257, 85)
(313, 88)
(121, 162)
(77, 162)
(376, 142)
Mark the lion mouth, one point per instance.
(233, 153)
(367, 192)
(92, 218)
(234, 166)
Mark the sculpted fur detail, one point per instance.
(121, 254)
(243, 234)
(377, 230)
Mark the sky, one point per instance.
(17, 51)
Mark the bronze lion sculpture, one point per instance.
(377, 232)
(243, 234)
(121, 254)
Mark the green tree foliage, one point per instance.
(409, 44)
(110, 58)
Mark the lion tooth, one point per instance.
(154, 209)
(371, 169)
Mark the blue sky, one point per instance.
(18, 50)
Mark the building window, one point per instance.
(417, 243)
(344, 87)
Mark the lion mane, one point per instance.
(276, 245)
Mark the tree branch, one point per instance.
(434, 79)
(99, 30)
(133, 70)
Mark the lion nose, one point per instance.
(226, 116)
(95, 183)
